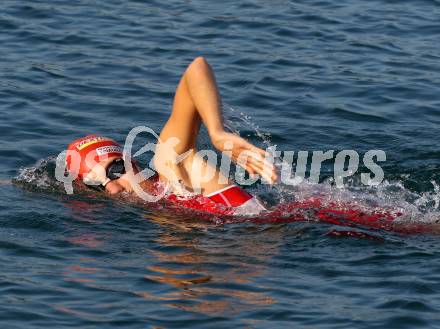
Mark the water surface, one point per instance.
(308, 75)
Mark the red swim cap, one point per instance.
(89, 151)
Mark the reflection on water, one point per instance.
(74, 272)
(314, 75)
(215, 275)
(195, 266)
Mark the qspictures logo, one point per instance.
(346, 164)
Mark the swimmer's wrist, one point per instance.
(216, 136)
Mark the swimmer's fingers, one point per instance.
(255, 163)
(252, 148)
(266, 173)
(255, 160)
(261, 152)
(266, 170)
(266, 167)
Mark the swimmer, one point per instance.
(196, 101)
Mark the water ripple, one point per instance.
(314, 75)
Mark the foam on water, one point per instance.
(390, 196)
(317, 75)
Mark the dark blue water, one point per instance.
(311, 75)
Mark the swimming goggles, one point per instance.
(114, 170)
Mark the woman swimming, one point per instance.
(196, 101)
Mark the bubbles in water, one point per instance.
(389, 196)
(39, 176)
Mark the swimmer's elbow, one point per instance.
(199, 63)
(200, 60)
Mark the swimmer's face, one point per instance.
(116, 186)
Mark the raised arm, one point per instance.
(197, 100)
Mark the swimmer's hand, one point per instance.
(256, 161)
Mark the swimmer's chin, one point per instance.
(124, 188)
(123, 184)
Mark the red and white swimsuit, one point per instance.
(237, 198)
(231, 200)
